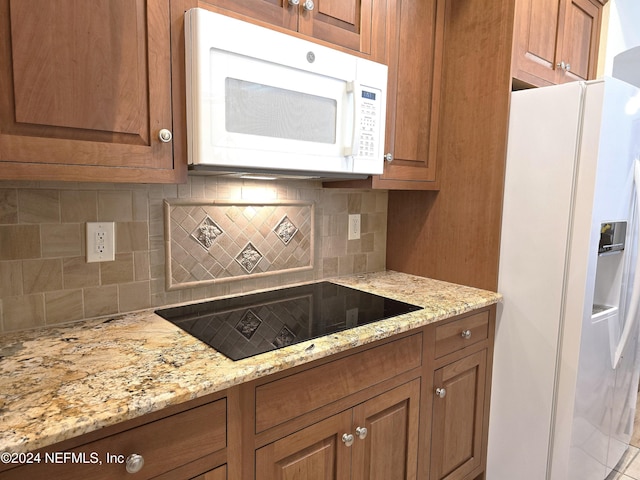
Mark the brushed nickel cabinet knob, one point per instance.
(165, 135)
(347, 438)
(134, 463)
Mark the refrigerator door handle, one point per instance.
(632, 313)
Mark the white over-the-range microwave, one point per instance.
(261, 101)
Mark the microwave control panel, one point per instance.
(368, 129)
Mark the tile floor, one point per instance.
(629, 466)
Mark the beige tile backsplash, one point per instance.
(45, 280)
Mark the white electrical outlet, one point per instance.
(354, 226)
(101, 242)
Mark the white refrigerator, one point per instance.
(565, 375)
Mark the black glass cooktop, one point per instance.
(244, 326)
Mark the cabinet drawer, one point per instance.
(165, 444)
(461, 333)
(292, 396)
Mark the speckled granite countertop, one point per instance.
(61, 382)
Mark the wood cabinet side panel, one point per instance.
(454, 234)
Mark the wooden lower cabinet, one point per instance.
(174, 447)
(364, 414)
(219, 473)
(389, 450)
(339, 447)
(316, 452)
(458, 417)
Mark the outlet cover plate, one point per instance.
(101, 242)
(354, 226)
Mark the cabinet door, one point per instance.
(342, 22)
(314, 453)
(536, 40)
(458, 417)
(555, 41)
(85, 85)
(389, 448)
(580, 40)
(415, 56)
(219, 473)
(275, 12)
(347, 23)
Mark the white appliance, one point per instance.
(565, 375)
(264, 101)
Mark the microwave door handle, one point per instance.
(353, 88)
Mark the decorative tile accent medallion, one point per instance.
(206, 232)
(285, 230)
(211, 241)
(249, 258)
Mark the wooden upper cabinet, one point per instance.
(408, 36)
(415, 56)
(341, 22)
(581, 38)
(556, 41)
(415, 42)
(274, 12)
(346, 23)
(86, 87)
